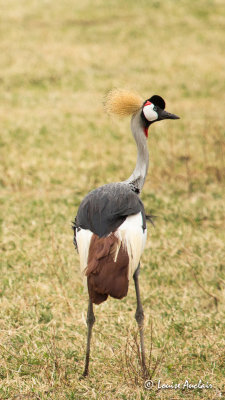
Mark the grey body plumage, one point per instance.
(104, 209)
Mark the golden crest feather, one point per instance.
(122, 102)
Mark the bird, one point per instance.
(110, 226)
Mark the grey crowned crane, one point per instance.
(110, 226)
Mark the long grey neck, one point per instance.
(137, 178)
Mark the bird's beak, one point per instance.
(166, 115)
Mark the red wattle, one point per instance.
(146, 132)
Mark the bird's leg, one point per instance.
(90, 322)
(139, 316)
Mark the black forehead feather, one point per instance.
(158, 101)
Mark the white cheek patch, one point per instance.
(149, 113)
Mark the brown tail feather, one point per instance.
(104, 275)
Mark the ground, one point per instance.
(58, 61)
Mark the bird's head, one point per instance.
(153, 109)
(123, 102)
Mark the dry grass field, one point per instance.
(58, 60)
